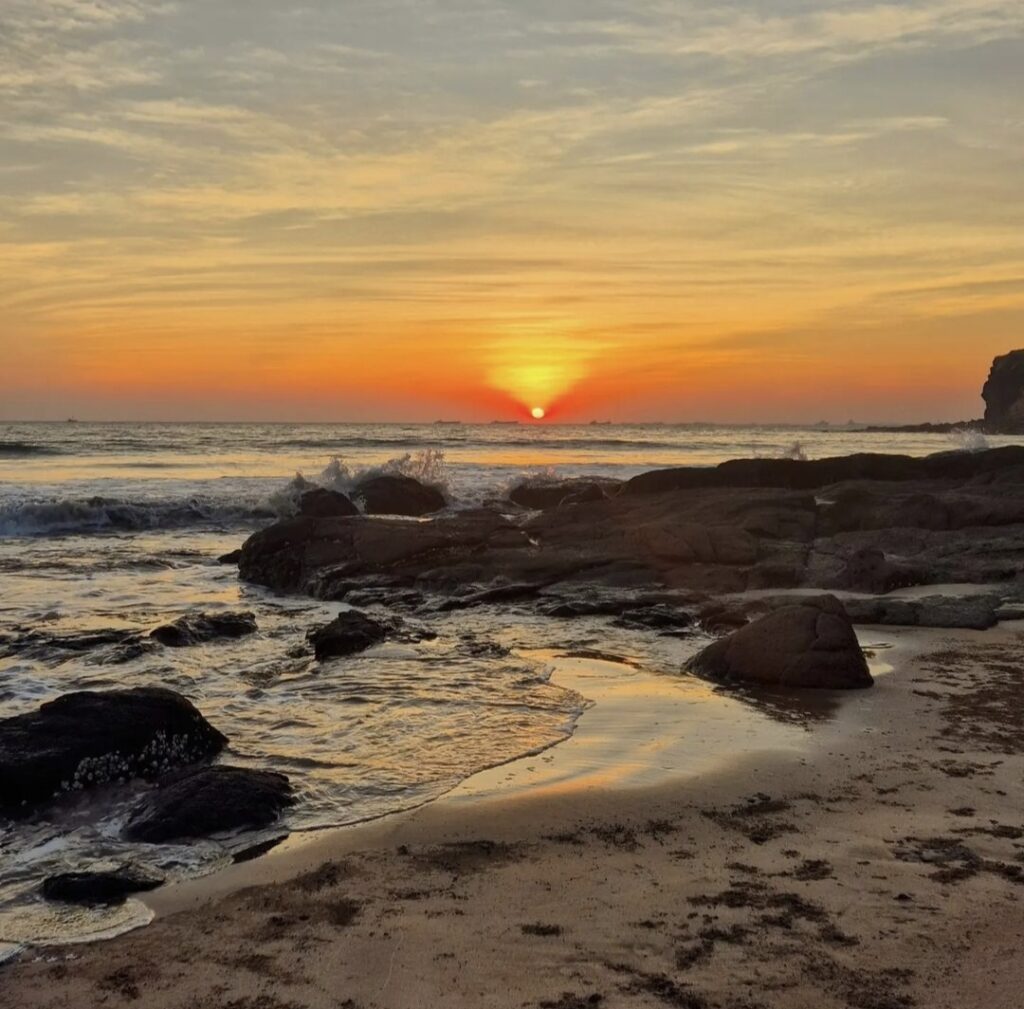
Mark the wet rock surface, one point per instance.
(398, 495)
(808, 645)
(350, 632)
(320, 502)
(539, 495)
(89, 738)
(195, 628)
(209, 800)
(100, 887)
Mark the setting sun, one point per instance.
(538, 413)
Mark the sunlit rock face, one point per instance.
(1004, 394)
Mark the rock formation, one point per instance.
(1004, 394)
(93, 737)
(209, 800)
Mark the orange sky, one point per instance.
(619, 211)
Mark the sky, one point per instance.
(421, 209)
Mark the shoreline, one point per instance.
(784, 880)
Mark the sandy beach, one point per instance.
(868, 856)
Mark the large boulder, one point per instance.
(209, 800)
(810, 644)
(92, 737)
(398, 495)
(1004, 394)
(322, 503)
(109, 886)
(350, 632)
(195, 628)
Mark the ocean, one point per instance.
(107, 527)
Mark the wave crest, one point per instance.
(427, 466)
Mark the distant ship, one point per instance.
(504, 422)
(447, 421)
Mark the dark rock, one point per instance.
(976, 612)
(209, 800)
(868, 570)
(194, 628)
(496, 594)
(953, 518)
(538, 495)
(398, 495)
(663, 618)
(111, 646)
(348, 633)
(320, 502)
(104, 887)
(230, 558)
(92, 737)
(811, 644)
(1004, 394)
(812, 474)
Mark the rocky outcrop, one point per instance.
(540, 494)
(977, 613)
(348, 633)
(209, 800)
(322, 503)
(93, 737)
(398, 495)
(100, 887)
(950, 518)
(808, 645)
(195, 628)
(1004, 394)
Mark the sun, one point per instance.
(538, 413)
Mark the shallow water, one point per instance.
(119, 526)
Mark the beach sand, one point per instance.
(868, 854)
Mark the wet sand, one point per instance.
(867, 855)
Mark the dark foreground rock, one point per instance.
(348, 633)
(809, 645)
(93, 737)
(398, 495)
(195, 628)
(322, 503)
(109, 887)
(209, 800)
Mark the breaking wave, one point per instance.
(20, 449)
(65, 516)
(427, 466)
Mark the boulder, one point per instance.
(808, 645)
(398, 495)
(538, 495)
(320, 502)
(209, 800)
(195, 628)
(93, 737)
(348, 633)
(101, 887)
(1004, 394)
(232, 557)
